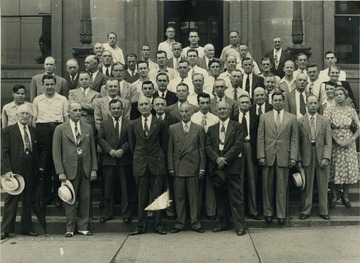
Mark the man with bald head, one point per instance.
(230, 65)
(36, 87)
(224, 148)
(147, 138)
(295, 101)
(24, 154)
(97, 77)
(209, 56)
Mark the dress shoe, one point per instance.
(4, 236)
(127, 220)
(211, 218)
(219, 229)
(85, 232)
(199, 230)
(303, 216)
(281, 221)
(346, 203)
(161, 232)
(240, 232)
(29, 233)
(104, 220)
(325, 217)
(69, 234)
(268, 219)
(175, 230)
(255, 217)
(136, 232)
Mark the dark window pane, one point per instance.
(10, 40)
(348, 7)
(347, 39)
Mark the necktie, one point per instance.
(107, 72)
(146, 128)
(117, 128)
(235, 95)
(132, 74)
(160, 117)
(203, 121)
(77, 136)
(222, 134)
(302, 104)
(186, 129)
(84, 94)
(243, 122)
(247, 84)
(177, 64)
(91, 74)
(312, 128)
(311, 87)
(27, 140)
(163, 95)
(278, 121)
(72, 79)
(260, 111)
(276, 59)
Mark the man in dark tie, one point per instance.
(98, 78)
(147, 137)
(219, 89)
(224, 145)
(250, 80)
(131, 74)
(107, 61)
(295, 101)
(162, 80)
(278, 57)
(174, 61)
(72, 79)
(116, 161)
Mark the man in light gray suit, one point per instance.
(277, 151)
(186, 163)
(315, 154)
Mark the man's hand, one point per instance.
(119, 153)
(93, 175)
(172, 173)
(292, 163)
(62, 177)
(262, 162)
(324, 162)
(112, 153)
(221, 161)
(201, 175)
(8, 175)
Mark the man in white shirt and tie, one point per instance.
(107, 60)
(314, 85)
(235, 91)
(173, 62)
(295, 101)
(250, 80)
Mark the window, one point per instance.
(25, 31)
(347, 20)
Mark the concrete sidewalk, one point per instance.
(270, 245)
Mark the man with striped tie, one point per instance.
(74, 155)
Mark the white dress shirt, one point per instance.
(211, 119)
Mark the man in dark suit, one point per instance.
(21, 154)
(295, 101)
(98, 78)
(147, 143)
(75, 159)
(131, 74)
(147, 88)
(182, 92)
(278, 57)
(72, 79)
(174, 61)
(186, 163)
(116, 161)
(314, 156)
(219, 89)
(224, 144)
(162, 80)
(249, 80)
(209, 56)
(107, 61)
(277, 151)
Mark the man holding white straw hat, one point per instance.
(74, 155)
(23, 159)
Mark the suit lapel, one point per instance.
(307, 126)
(153, 126)
(228, 132)
(271, 121)
(283, 123)
(105, 102)
(70, 134)
(190, 137)
(138, 126)
(319, 123)
(122, 129)
(17, 133)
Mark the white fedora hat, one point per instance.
(299, 179)
(13, 186)
(66, 192)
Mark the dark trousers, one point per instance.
(79, 212)
(11, 201)
(250, 173)
(169, 184)
(231, 200)
(123, 174)
(148, 183)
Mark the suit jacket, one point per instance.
(108, 140)
(323, 139)
(285, 55)
(186, 154)
(282, 144)
(71, 85)
(148, 151)
(233, 146)
(128, 92)
(202, 63)
(170, 97)
(99, 81)
(135, 113)
(65, 150)
(13, 152)
(290, 102)
(102, 111)
(131, 79)
(170, 63)
(36, 86)
(232, 103)
(174, 110)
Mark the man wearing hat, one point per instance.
(224, 146)
(315, 153)
(23, 155)
(74, 155)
